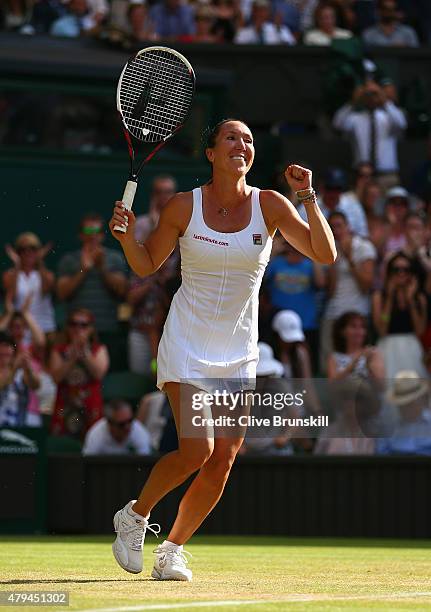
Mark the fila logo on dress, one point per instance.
(257, 238)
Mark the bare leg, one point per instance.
(175, 467)
(205, 490)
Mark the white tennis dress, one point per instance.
(211, 331)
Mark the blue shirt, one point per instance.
(409, 438)
(291, 287)
(178, 22)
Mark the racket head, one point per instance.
(155, 93)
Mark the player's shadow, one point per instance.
(73, 581)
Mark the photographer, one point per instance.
(374, 124)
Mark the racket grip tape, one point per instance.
(127, 199)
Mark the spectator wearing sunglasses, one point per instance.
(117, 433)
(399, 313)
(94, 278)
(78, 366)
(30, 281)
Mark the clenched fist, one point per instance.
(298, 177)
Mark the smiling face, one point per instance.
(233, 151)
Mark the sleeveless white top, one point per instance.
(41, 305)
(211, 331)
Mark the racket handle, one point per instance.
(127, 199)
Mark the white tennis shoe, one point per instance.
(129, 542)
(170, 563)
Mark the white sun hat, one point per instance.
(267, 364)
(407, 387)
(288, 326)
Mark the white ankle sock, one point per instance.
(172, 544)
(133, 513)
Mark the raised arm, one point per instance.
(313, 239)
(146, 258)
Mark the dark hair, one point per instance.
(114, 405)
(91, 216)
(338, 213)
(391, 262)
(391, 265)
(212, 133)
(17, 315)
(6, 339)
(340, 324)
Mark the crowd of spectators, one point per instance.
(366, 318)
(362, 321)
(405, 23)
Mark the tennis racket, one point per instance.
(154, 97)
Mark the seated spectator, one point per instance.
(141, 27)
(396, 209)
(76, 22)
(294, 354)
(291, 280)
(150, 302)
(331, 199)
(352, 356)
(44, 14)
(94, 278)
(172, 19)
(163, 187)
(399, 313)
(350, 280)
(18, 379)
(325, 27)
(355, 405)
(288, 13)
(388, 31)
(262, 30)
(374, 124)
(205, 19)
(412, 435)
(117, 433)
(29, 279)
(78, 366)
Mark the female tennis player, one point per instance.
(225, 231)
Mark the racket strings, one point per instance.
(162, 84)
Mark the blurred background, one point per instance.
(340, 86)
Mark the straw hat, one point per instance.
(407, 387)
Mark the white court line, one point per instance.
(257, 602)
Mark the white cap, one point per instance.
(288, 326)
(267, 365)
(397, 192)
